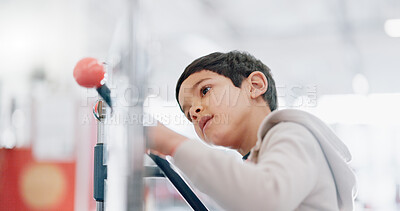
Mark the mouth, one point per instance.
(203, 122)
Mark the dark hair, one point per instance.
(235, 65)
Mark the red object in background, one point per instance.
(89, 73)
(26, 184)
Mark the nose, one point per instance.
(195, 111)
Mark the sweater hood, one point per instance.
(335, 151)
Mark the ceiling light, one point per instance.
(392, 27)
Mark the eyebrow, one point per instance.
(196, 84)
(193, 87)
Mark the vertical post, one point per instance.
(99, 205)
(100, 171)
(135, 136)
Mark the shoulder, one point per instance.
(289, 148)
(290, 137)
(288, 129)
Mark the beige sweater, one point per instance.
(286, 170)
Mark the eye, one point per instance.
(205, 90)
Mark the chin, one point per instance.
(220, 140)
(220, 135)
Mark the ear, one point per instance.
(258, 84)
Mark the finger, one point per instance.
(157, 153)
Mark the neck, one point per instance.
(256, 117)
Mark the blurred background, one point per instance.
(339, 60)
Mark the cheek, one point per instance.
(230, 125)
(227, 101)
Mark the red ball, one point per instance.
(89, 72)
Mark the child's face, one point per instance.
(218, 110)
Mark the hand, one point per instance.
(163, 140)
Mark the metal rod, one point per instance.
(99, 168)
(99, 206)
(100, 123)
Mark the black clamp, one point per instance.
(100, 173)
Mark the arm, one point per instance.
(163, 140)
(285, 174)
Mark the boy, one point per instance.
(295, 160)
